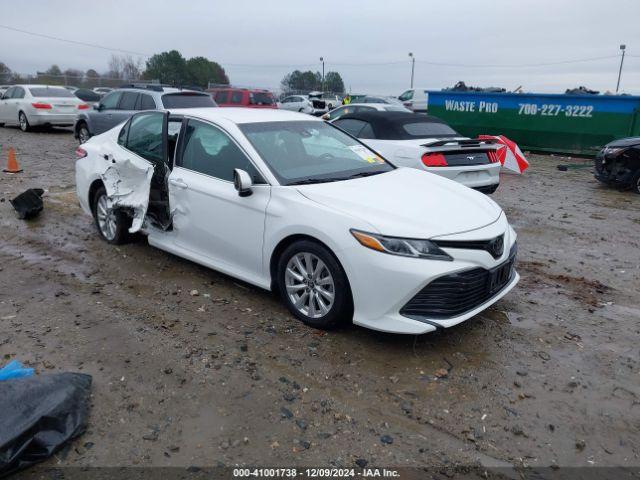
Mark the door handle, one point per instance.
(178, 182)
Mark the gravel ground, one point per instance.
(547, 377)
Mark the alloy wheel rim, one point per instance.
(106, 218)
(23, 121)
(310, 285)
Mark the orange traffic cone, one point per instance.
(12, 163)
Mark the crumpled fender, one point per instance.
(127, 184)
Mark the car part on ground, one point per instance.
(39, 416)
(29, 203)
(618, 163)
(30, 106)
(290, 191)
(426, 143)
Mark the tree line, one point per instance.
(170, 68)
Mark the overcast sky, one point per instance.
(258, 42)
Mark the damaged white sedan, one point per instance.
(293, 204)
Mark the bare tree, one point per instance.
(125, 67)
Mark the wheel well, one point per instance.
(280, 248)
(92, 191)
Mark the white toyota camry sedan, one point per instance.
(293, 204)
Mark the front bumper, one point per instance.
(473, 176)
(613, 170)
(383, 284)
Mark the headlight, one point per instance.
(405, 247)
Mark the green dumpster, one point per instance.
(576, 124)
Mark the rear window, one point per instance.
(187, 100)
(51, 92)
(428, 129)
(261, 98)
(87, 95)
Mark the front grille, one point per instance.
(494, 246)
(458, 293)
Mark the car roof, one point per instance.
(36, 85)
(245, 115)
(374, 105)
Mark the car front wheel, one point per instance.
(23, 122)
(314, 286)
(113, 224)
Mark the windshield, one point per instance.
(428, 129)
(261, 98)
(56, 92)
(187, 100)
(311, 152)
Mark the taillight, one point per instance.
(83, 106)
(41, 106)
(81, 152)
(434, 160)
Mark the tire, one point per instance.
(301, 110)
(490, 189)
(113, 225)
(327, 283)
(23, 122)
(635, 183)
(83, 133)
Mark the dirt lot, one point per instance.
(548, 376)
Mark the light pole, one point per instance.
(413, 65)
(322, 60)
(622, 47)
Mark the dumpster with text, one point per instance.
(577, 124)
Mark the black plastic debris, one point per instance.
(29, 203)
(38, 415)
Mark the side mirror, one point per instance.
(98, 106)
(242, 182)
(326, 117)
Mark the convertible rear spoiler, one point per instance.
(469, 143)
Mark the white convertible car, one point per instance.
(293, 204)
(426, 143)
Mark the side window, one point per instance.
(9, 93)
(209, 150)
(128, 101)
(145, 102)
(18, 93)
(110, 101)
(351, 125)
(222, 96)
(408, 95)
(236, 96)
(145, 136)
(338, 112)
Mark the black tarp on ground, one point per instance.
(38, 415)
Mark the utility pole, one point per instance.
(413, 65)
(322, 60)
(622, 47)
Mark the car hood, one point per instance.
(624, 142)
(407, 203)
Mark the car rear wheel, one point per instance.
(23, 122)
(112, 224)
(314, 286)
(83, 133)
(635, 183)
